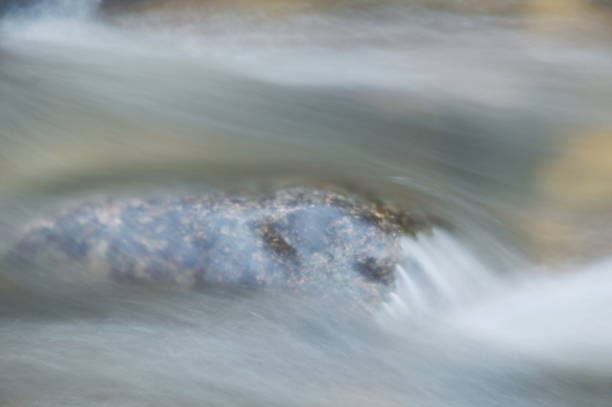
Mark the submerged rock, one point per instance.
(303, 240)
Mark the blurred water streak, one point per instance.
(493, 116)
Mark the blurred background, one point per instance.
(506, 99)
(491, 115)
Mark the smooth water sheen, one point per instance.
(492, 117)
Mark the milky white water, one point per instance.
(443, 111)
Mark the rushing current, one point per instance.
(492, 117)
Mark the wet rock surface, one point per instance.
(303, 240)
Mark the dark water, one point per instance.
(491, 116)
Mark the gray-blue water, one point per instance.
(494, 116)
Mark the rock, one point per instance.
(573, 195)
(303, 240)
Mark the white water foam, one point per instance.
(437, 272)
(562, 318)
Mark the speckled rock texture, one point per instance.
(304, 240)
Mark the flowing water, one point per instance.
(493, 117)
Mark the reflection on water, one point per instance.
(491, 116)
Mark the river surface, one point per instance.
(493, 117)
